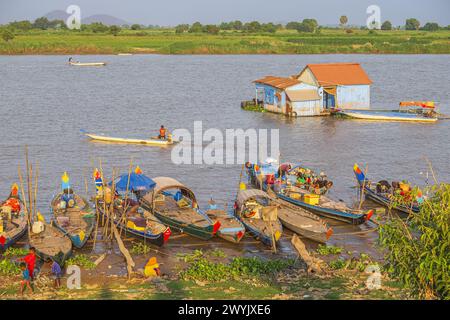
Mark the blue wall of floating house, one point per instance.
(353, 97)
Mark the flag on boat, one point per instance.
(359, 174)
(65, 183)
(98, 180)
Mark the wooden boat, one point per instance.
(51, 244)
(139, 223)
(176, 206)
(14, 223)
(385, 116)
(302, 222)
(258, 215)
(154, 141)
(380, 197)
(88, 64)
(231, 229)
(326, 207)
(76, 221)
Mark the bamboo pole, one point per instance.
(24, 199)
(35, 189)
(361, 191)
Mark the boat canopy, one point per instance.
(165, 183)
(423, 104)
(134, 182)
(244, 195)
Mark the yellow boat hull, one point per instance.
(152, 142)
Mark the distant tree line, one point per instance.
(305, 26)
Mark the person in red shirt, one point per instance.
(30, 260)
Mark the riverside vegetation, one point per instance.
(305, 37)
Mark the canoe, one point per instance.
(76, 222)
(151, 141)
(231, 229)
(383, 198)
(386, 116)
(175, 205)
(302, 222)
(51, 244)
(259, 216)
(88, 64)
(142, 225)
(16, 227)
(326, 207)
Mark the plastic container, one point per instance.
(312, 199)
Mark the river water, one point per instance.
(44, 103)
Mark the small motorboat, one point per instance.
(231, 229)
(154, 141)
(87, 64)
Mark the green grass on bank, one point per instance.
(166, 41)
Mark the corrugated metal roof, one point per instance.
(278, 82)
(329, 74)
(302, 95)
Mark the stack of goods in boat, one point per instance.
(72, 214)
(125, 209)
(384, 193)
(50, 243)
(304, 194)
(13, 221)
(231, 229)
(153, 141)
(259, 215)
(176, 206)
(409, 111)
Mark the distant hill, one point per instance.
(103, 18)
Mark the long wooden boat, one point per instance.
(383, 198)
(77, 221)
(51, 244)
(231, 229)
(386, 115)
(176, 206)
(15, 222)
(326, 207)
(258, 215)
(302, 222)
(140, 224)
(87, 64)
(151, 142)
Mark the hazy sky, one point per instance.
(172, 12)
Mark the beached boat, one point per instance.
(88, 64)
(76, 219)
(317, 204)
(382, 193)
(139, 223)
(176, 206)
(302, 222)
(13, 221)
(50, 243)
(259, 216)
(154, 141)
(231, 229)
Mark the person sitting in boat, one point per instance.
(383, 186)
(70, 59)
(162, 133)
(212, 204)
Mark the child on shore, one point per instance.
(30, 260)
(26, 278)
(56, 274)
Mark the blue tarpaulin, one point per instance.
(138, 182)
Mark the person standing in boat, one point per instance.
(162, 133)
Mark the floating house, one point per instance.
(344, 85)
(316, 90)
